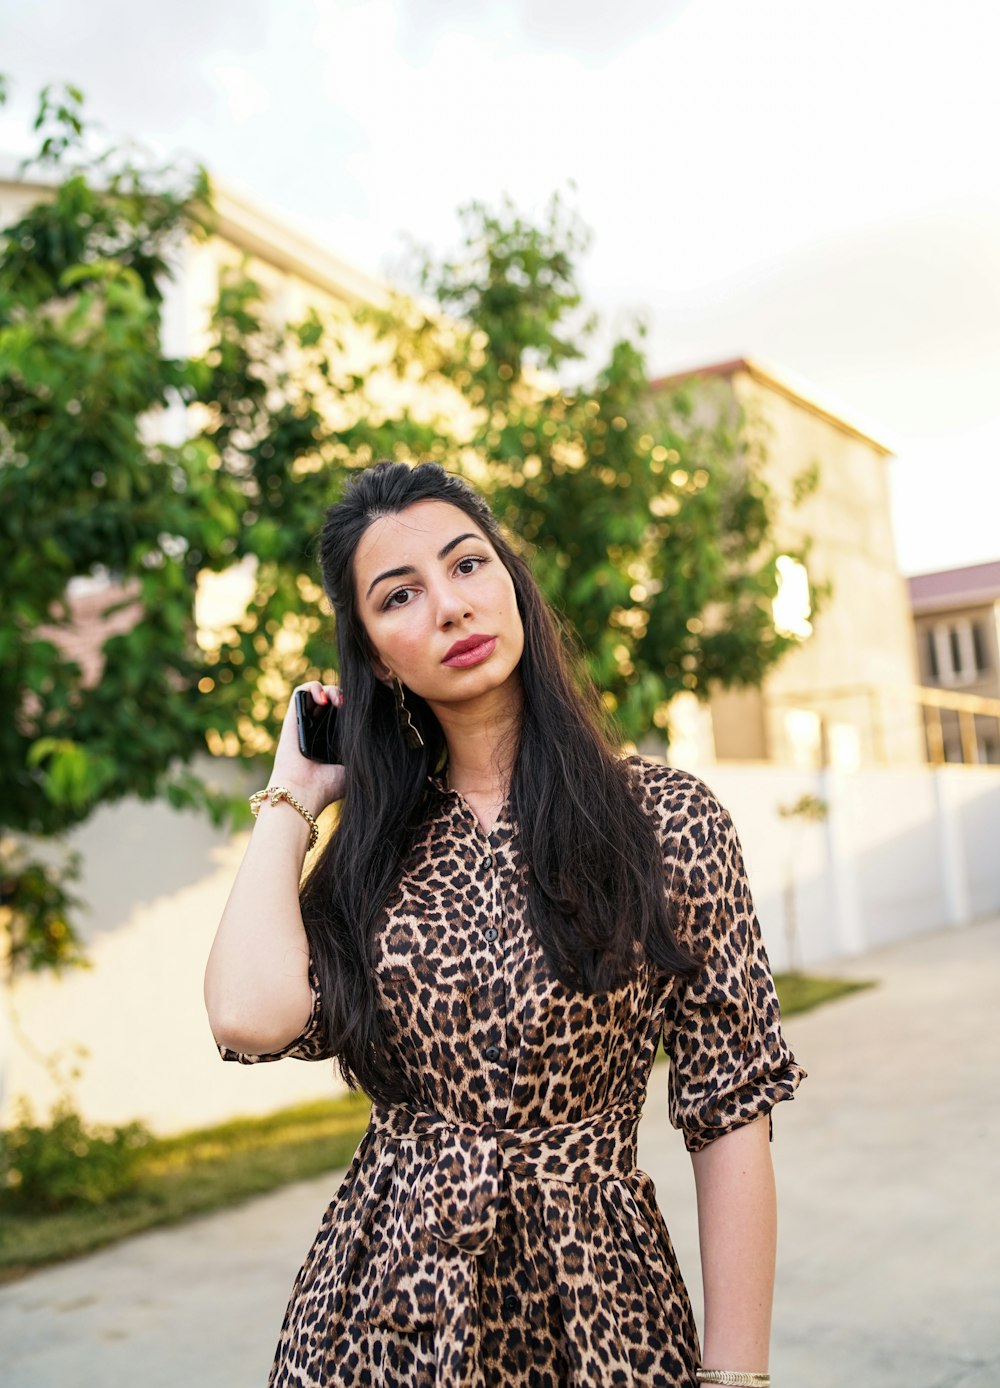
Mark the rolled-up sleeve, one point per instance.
(729, 1062)
(310, 1044)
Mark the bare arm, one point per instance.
(256, 982)
(737, 1227)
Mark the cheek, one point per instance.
(407, 642)
(507, 604)
(504, 599)
(397, 639)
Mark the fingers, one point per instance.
(323, 693)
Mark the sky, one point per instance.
(812, 185)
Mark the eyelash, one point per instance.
(479, 559)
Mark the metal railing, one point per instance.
(932, 702)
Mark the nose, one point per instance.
(452, 605)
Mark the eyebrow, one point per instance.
(409, 569)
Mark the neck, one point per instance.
(482, 739)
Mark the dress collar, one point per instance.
(439, 780)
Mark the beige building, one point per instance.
(957, 617)
(156, 880)
(845, 696)
(295, 275)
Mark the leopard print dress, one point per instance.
(496, 1230)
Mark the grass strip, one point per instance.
(191, 1174)
(798, 992)
(211, 1169)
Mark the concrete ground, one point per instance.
(889, 1247)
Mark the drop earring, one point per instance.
(410, 730)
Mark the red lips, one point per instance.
(467, 643)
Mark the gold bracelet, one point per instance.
(275, 793)
(734, 1377)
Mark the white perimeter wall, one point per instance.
(157, 881)
(901, 851)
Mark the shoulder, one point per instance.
(694, 828)
(683, 808)
(702, 858)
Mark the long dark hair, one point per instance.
(595, 885)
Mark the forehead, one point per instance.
(407, 536)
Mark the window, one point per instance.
(791, 606)
(956, 651)
(979, 648)
(803, 738)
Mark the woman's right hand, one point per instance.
(316, 783)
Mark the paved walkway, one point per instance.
(889, 1250)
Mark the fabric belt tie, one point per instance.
(456, 1197)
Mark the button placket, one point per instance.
(498, 1051)
(479, 861)
(493, 933)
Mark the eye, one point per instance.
(473, 560)
(397, 593)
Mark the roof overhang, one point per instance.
(260, 232)
(782, 383)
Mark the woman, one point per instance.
(504, 922)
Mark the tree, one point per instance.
(89, 485)
(653, 533)
(650, 532)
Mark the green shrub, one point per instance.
(67, 1162)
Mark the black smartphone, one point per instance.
(317, 725)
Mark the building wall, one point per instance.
(295, 275)
(739, 725)
(863, 634)
(901, 850)
(15, 198)
(951, 632)
(959, 650)
(156, 881)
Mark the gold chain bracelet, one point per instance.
(734, 1377)
(275, 793)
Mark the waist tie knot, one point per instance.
(461, 1186)
(456, 1197)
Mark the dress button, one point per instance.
(492, 1053)
(510, 1303)
(492, 933)
(488, 861)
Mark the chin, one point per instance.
(479, 681)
